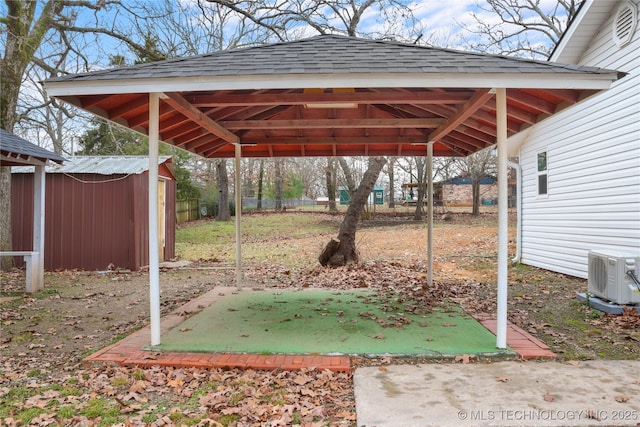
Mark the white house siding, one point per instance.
(593, 158)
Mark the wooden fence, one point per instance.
(187, 210)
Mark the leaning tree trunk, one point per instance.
(342, 250)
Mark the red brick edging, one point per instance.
(130, 350)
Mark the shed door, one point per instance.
(162, 202)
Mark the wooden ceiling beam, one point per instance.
(467, 110)
(331, 140)
(332, 123)
(395, 97)
(184, 107)
(140, 104)
(92, 100)
(528, 101)
(143, 119)
(184, 137)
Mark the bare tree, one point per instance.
(26, 27)
(287, 20)
(528, 28)
(477, 167)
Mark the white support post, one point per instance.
(238, 217)
(430, 213)
(154, 263)
(503, 237)
(39, 184)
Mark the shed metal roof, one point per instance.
(100, 165)
(292, 99)
(15, 151)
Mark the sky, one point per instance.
(442, 23)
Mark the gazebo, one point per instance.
(16, 151)
(333, 95)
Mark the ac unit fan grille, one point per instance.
(598, 273)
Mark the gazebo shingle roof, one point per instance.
(331, 54)
(332, 95)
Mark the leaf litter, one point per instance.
(45, 337)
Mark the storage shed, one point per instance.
(96, 212)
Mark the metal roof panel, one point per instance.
(100, 165)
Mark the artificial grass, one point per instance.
(329, 322)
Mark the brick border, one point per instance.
(131, 349)
(526, 345)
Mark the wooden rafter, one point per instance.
(329, 140)
(319, 98)
(182, 105)
(466, 111)
(332, 123)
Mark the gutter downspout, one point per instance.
(518, 169)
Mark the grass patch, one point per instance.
(66, 412)
(215, 240)
(120, 382)
(99, 407)
(34, 373)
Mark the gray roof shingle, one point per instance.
(11, 144)
(331, 54)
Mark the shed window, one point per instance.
(542, 173)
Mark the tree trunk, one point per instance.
(260, 180)
(475, 191)
(278, 174)
(392, 184)
(421, 166)
(331, 181)
(223, 188)
(342, 250)
(5, 219)
(348, 176)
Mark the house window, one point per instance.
(542, 173)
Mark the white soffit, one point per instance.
(256, 82)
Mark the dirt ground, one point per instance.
(80, 312)
(45, 336)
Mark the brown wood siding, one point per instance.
(90, 226)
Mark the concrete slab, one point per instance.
(506, 393)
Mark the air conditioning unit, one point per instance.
(614, 276)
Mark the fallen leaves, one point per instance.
(309, 397)
(465, 358)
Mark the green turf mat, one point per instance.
(328, 322)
